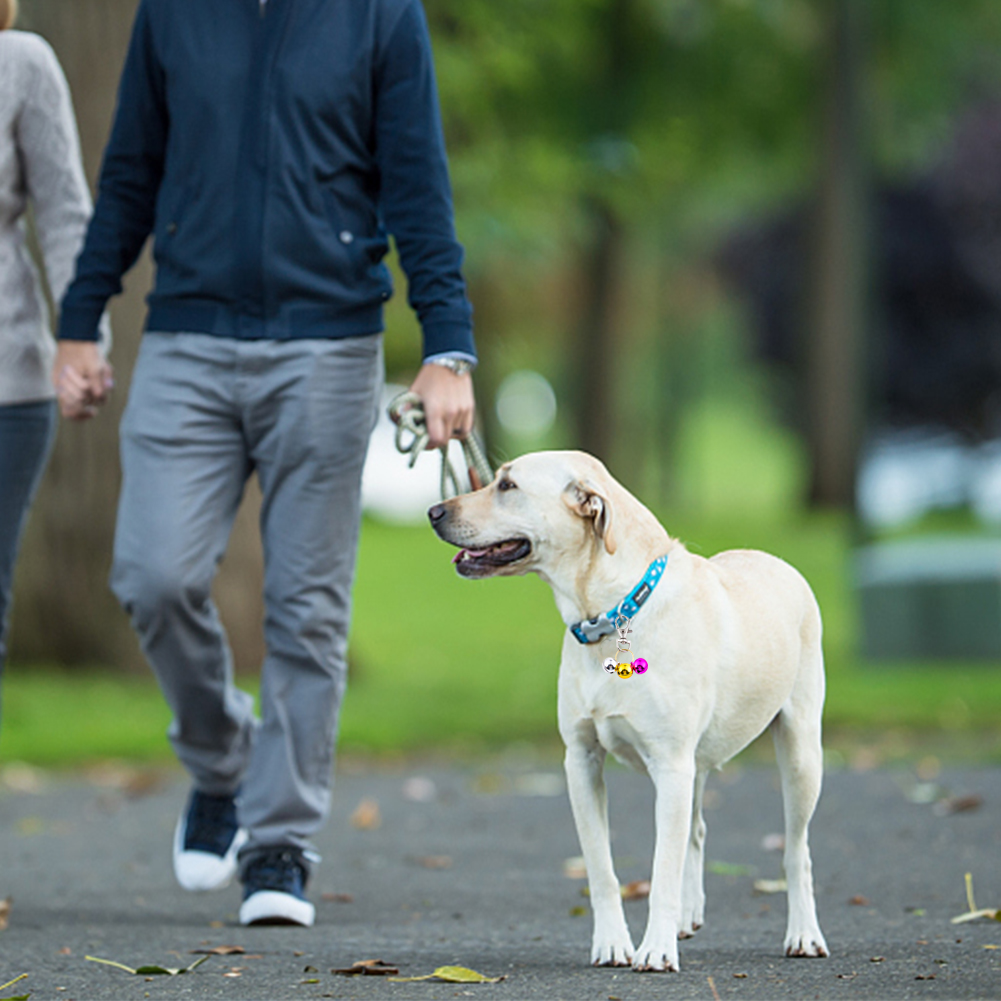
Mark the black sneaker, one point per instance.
(274, 884)
(206, 841)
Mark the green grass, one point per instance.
(443, 664)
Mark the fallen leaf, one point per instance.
(10, 983)
(638, 889)
(420, 789)
(435, 861)
(219, 950)
(992, 946)
(578, 912)
(367, 816)
(740, 976)
(65, 951)
(368, 968)
(5, 906)
(730, 869)
(974, 912)
(150, 970)
(21, 777)
(312, 980)
(847, 976)
(338, 898)
(958, 804)
(923, 976)
(574, 868)
(451, 975)
(770, 886)
(539, 784)
(859, 901)
(773, 842)
(924, 793)
(877, 959)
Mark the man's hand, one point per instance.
(449, 406)
(82, 378)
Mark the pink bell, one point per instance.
(640, 666)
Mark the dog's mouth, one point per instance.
(491, 559)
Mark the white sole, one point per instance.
(272, 907)
(201, 872)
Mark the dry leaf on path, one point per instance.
(367, 816)
(770, 886)
(368, 968)
(452, 975)
(974, 912)
(5, 906)
(574, 868)
(435, 861)
(958, 804)
(638, 889)
(151, 970)
(219, 950)
(338, 898)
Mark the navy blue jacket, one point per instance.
(270, 151)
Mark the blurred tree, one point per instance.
(585, 136)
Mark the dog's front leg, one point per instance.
(674, 783)
(584, 763)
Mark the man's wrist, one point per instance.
(457, 362)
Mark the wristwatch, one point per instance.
(460, 366)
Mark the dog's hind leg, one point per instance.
(584, 764)
(693, 895)
(796, 731)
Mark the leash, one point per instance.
(407, 413)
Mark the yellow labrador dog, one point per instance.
(672, 662)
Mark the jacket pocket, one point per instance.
(363, 242)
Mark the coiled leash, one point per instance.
(407, 413)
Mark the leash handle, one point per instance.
(407, 413)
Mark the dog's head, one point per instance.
(540, 509)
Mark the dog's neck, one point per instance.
(607, 577)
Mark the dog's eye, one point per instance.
(507, 485)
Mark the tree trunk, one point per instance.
(595, 354)
(835, 370)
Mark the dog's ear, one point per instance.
(585, 500)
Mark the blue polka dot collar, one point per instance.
(593, 630)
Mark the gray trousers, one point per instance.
(203, 414)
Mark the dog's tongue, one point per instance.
(463, 553)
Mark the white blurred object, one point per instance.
(526, 404)
(389, 489)
(985, 491)
(905, 474)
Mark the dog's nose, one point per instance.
(436, 513)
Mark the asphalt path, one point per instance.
(428, 865)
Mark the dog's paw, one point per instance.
(688, 929)
(808, 944)
(656, 958)
(617, 953)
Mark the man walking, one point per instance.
(270, 147)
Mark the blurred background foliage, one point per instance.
(604, 153)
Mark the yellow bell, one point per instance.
(624, 670)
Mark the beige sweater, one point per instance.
(39, 162)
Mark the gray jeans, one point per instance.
(203, 414)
